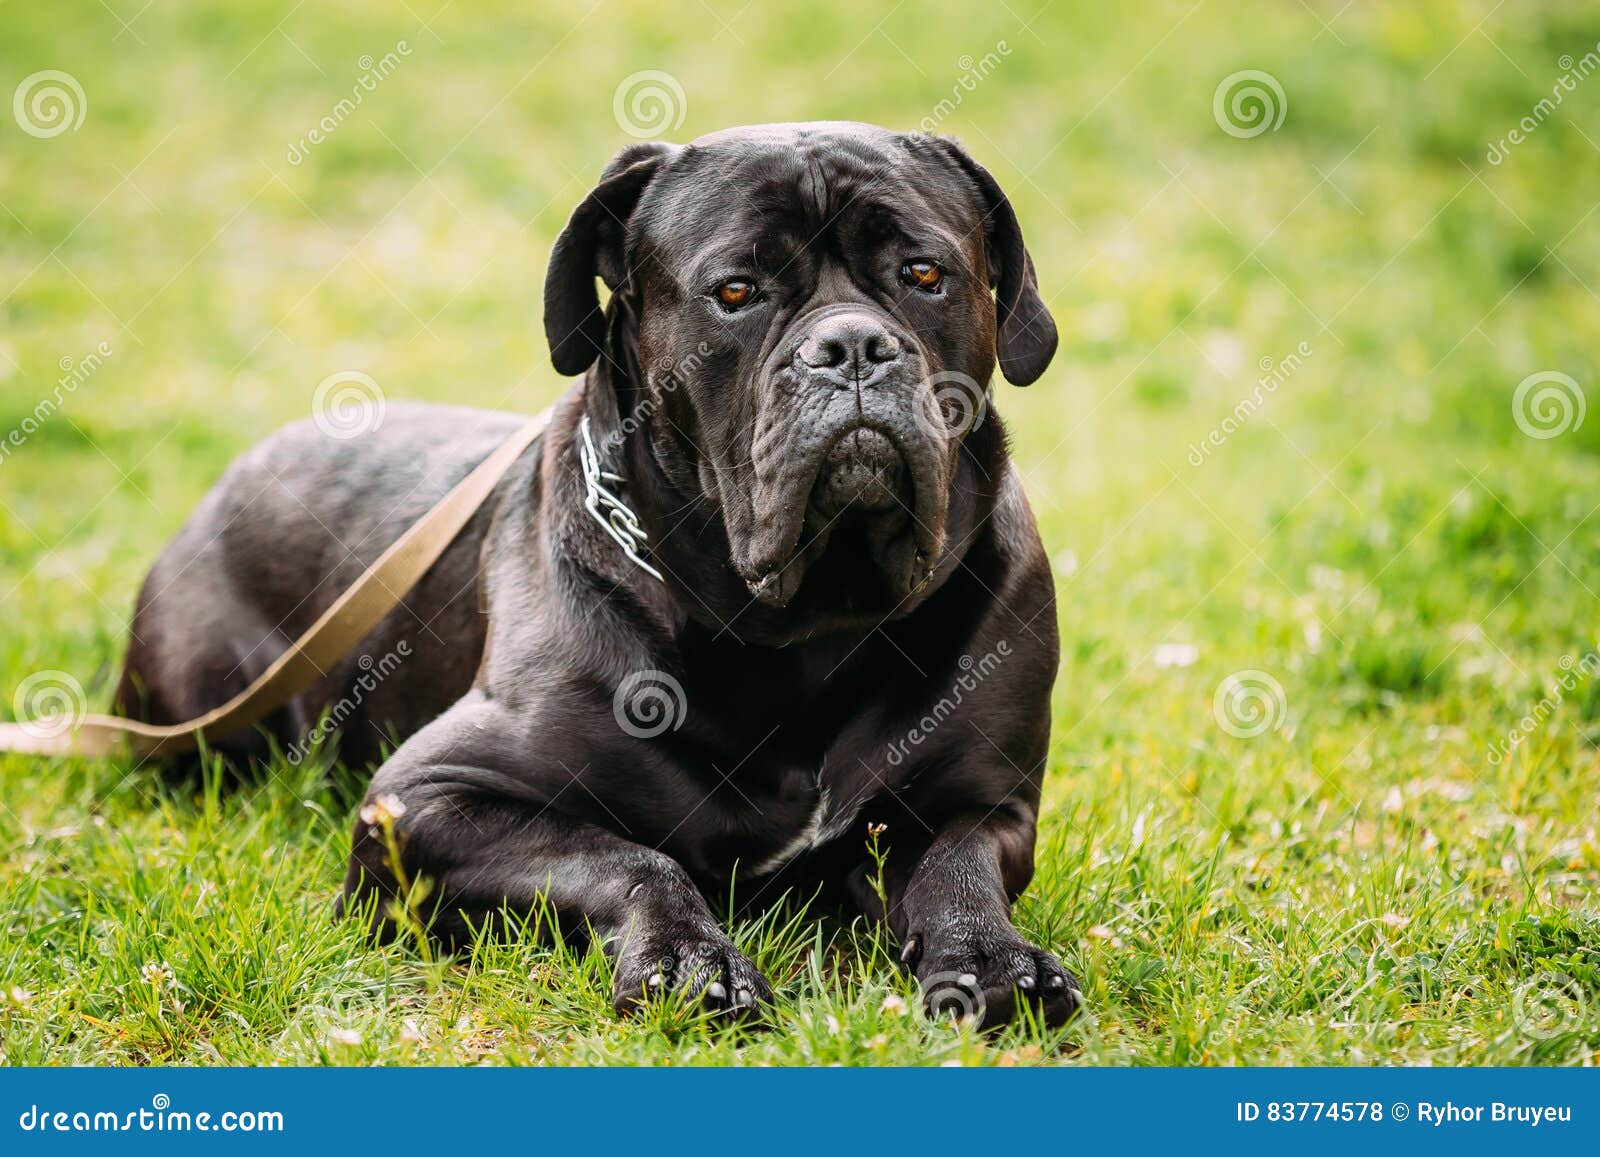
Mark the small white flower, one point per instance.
(1175, 655)
(1106, 933)
(344, 1036)
(894, 1004)
(1223, 352)
(382, 810)
(1103, 321)
(157, 975)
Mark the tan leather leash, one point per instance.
(340, 628)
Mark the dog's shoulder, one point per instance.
(1015, 536)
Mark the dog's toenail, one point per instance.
(1056, 982)
(716, 992)
(742, 996)
(1025, 982)
(654, 981)
(967, 980)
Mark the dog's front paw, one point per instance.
(703, 969)
(992, 982)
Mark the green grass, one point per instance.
(1360, 883)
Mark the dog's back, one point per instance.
(292, 523)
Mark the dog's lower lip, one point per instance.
(864, 469)
(768, 587)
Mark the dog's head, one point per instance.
(803, 323)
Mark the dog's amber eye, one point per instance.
(922, 275)
(736, 293)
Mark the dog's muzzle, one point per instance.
(849, 454)
(863, 470)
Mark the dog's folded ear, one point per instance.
(1027, 332)
(592, 245)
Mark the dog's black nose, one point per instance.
(852, 344)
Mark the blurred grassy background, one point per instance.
(1361, 882)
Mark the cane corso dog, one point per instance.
(763, 611)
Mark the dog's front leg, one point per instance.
(484, 850)
(951, 908)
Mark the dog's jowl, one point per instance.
(767, 581)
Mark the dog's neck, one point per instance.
(602, 437)
(607, 505)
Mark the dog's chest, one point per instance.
(804, 775)
(827, 821)
(756, 832)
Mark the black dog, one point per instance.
(782, 417)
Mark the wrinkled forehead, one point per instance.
(779, 188)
